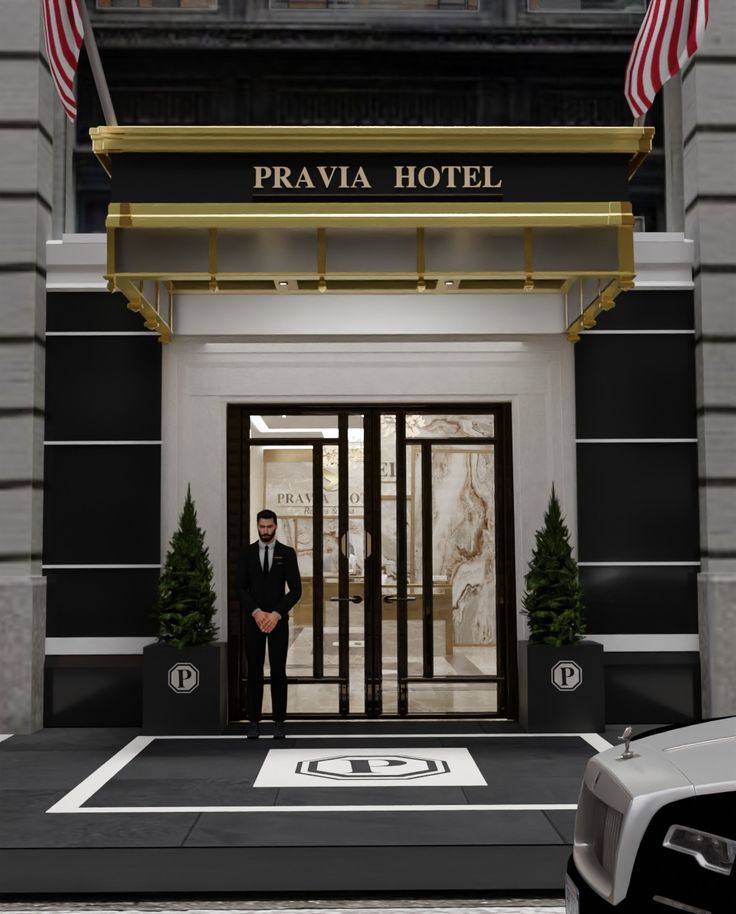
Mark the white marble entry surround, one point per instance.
(535, 373)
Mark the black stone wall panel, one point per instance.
(102, 504)
(102, 603)
(655, 309)
(103, 388)
(101, 311)
(650, 600)
(635, 386)
(638, 502)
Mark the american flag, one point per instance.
(670, 34)
(64, 34)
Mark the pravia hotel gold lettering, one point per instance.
(352, 177)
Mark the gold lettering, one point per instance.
(488, 179)
(262, 172)
(304, 180)
(404, 173)
(360, 179)
(451, 172)
(344, 177)
(471, 177)
(281, 175)
(327, 172)
(435, 176)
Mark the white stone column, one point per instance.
(709, 125)
(26, 130)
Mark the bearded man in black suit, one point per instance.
(265, 569)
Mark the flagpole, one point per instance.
(103, 93)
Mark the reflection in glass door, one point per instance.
(402, 525)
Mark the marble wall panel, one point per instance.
(449, 426)
(463, 534)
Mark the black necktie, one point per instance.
(265, 562)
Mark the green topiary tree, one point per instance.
(554, 598)
(185, 605)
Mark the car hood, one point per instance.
(701, 755)
(709, 762)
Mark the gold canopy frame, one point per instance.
(210, 228)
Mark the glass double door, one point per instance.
(401, 520)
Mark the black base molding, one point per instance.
(301, 869)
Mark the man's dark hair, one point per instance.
(267, 514)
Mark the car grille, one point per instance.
(605, 829)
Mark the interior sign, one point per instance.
(357, 177)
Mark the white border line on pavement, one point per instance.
(84, 791)
(5, 736)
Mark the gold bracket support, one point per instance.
(421, 261)
(109, 276)
(322, 258)
(604, 301)
(529, 260)
(137, 301)
(212, 258)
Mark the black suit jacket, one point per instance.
(268, 593)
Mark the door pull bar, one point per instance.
(391, 599)
(353, 599)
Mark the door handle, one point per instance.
(391, 599)
(351, 599)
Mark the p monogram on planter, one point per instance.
(184, 691)
(561, 688)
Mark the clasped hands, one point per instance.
(267, 622)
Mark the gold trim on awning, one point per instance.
(367, 215)
(634, 141)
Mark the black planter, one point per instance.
(184, 691)
(561, 688)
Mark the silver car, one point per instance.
(655, 828)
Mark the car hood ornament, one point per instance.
(626, 737)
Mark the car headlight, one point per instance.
(711, 851)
